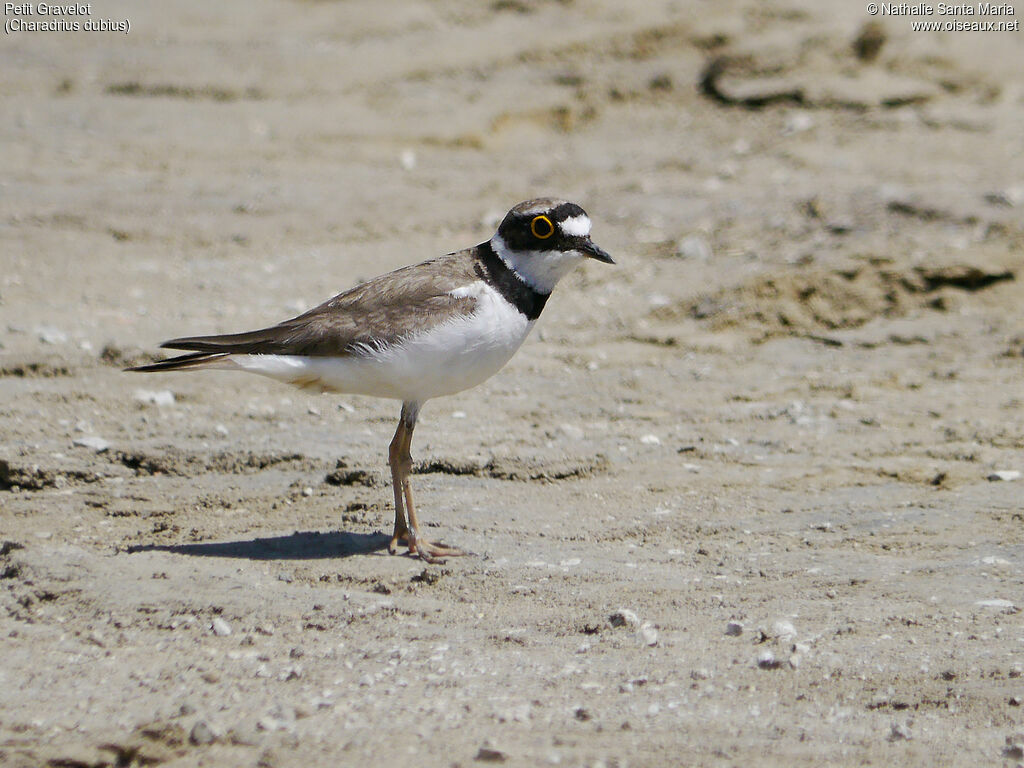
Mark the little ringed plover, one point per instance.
(419, 332)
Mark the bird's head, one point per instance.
(542, 239)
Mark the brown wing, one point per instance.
(376, 313)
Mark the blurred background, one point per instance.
(268, 142)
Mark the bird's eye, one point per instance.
(542, 227)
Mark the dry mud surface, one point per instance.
(747, 498)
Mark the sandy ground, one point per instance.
(750, 497)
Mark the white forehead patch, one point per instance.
(576, 226)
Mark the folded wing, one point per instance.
(374, 314)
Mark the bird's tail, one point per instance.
(192, 360)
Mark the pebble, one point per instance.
(994, 560)
(648, 634)
(570, 432)
(695, 247)
(202, 733)
(656, 300)
(290, 673)
(701, 673)
(160, 397)
(734, 629)
(766, 660)
(93, 442)
(269, 723)
(798, 123)
(408, 159)
(650, 440)
(899, 732)
(1005, 475)
(624, 617)
(50, 335)
(221, 430)
(220, 627)
(997, 603)
(1011, 196)
(490, 755)
(307, 491)
(783, 629)
(1014, 748)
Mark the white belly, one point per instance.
(455, 355)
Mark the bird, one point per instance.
(423, 331)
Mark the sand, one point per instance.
(752, 496)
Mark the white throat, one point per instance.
(541, 270)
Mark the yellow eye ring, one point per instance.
(542, 227)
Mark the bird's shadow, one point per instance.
(301, 545)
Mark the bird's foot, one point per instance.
(400, 536)
(432, 553)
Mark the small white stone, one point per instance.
(994, 560)
(268, 723)
(648, 634)
(221, 430)
(570, 431)
(899, 732)
(997, 603)
(695, 247)
(458, 414)
(94, 443)
(202, 733)
(220, 627)
(766, 660)
(798, 123)
(650, 440)
(50, 335)
(656, 300)
(161, 397)
(307, 491)
(783, 629)
(408, 159)
(1005, 475)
